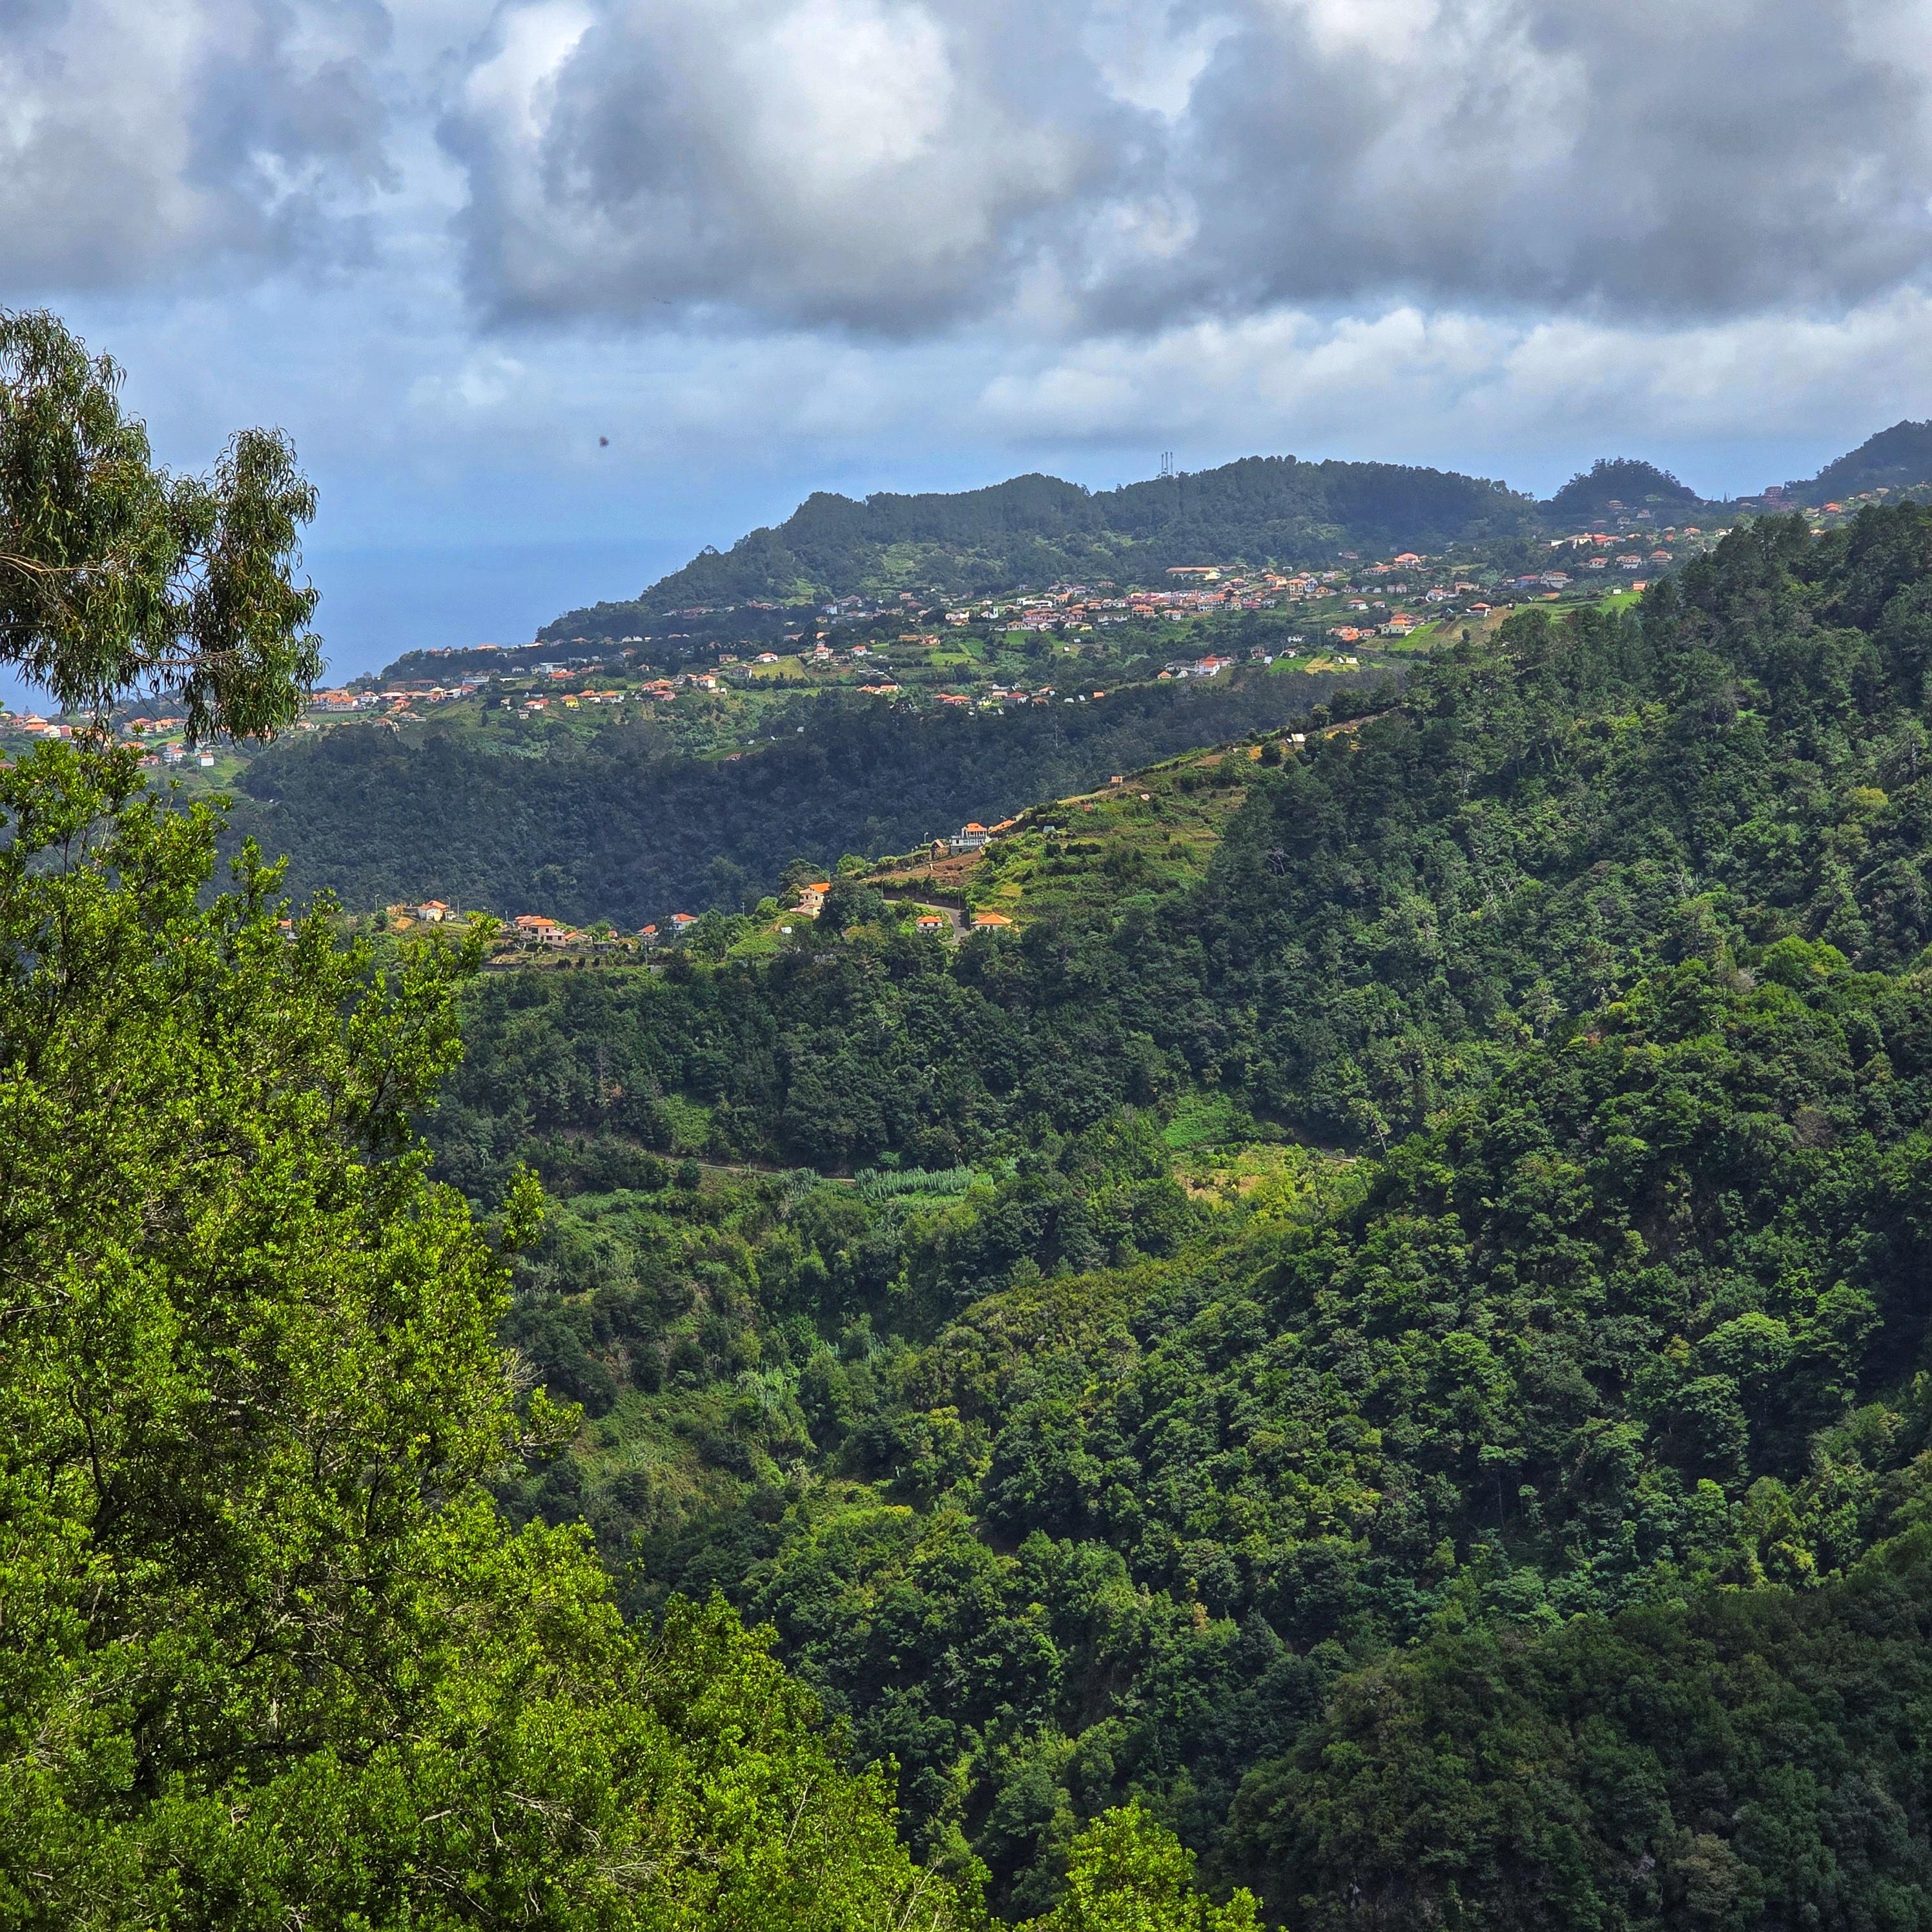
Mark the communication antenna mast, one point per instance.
(1166, 465)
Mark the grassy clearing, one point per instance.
(1203, 1120)
(688, 1121)
(1272, 1181)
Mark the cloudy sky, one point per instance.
(765, 246)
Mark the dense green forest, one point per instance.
(1492, 1490)
(1037, 530)
(271, 1654)
(612, 823)
(1368, 1370)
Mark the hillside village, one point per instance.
(718, 680)
(712, 675)
(1069, 644)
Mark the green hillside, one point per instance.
(1037, 530)
(1897, 458)
(1403, 1353)
(611, 821)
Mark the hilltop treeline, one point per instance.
(1622, 481)
(1520, 1524)
(611, 823)
(1037, 530)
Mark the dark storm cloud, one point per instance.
(901, 164)
(1652, 159)
(901, 167)
(141, 142)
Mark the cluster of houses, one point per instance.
(410, 700)
(535, 929)
(30, 724)
(996, 696)
(1200, 589)
(972, 837)
(157, 750)
(810, 901)
(1197, 588)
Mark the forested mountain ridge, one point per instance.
(1260, 511)
(1515, 1524)
(1036, 529)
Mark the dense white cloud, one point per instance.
(878, 162)
(903, 167)
(892, 164)
(1651, 158)
(1446, 385)
(142, 142)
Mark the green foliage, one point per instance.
(1128, 1873)
(1523, 1532)
(878, 1184)
(270, 1655)
(116, 576)
(1736, 1761)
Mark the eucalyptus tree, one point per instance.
(118, 575)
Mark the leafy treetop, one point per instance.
(116, 575)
